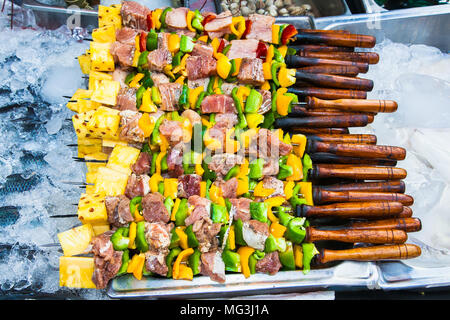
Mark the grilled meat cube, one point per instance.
(107, 261)
(202, 207)
(154, 209)
(218, 103)
(228, 187)
(158, 59)
(170, 94)
(176, 18)
(199, 67)
(255, 233)
(175, 160)
(137, 185)
(242, 206)
(222, 163)
(142, 164)
(213, 266)
(261, 27)
(220, 22)
(134, 15)
(159, 78)
(118, 209)
(126, 99)
(202, 49)
(251, 72)
(126, 35)
(269, 264)
(123, 53)
(129, 127)
(189, 185)
(243, 49)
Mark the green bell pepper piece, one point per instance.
(208, 185)
(226, 49)
(141, 242)
(170, 259)
(252, 184)
(156, 139)
(184, 97)
(253, 259)
(152, 41)
(197, 24)
(256, 169)
(274, 244)
(153, 165)
(156, 96)
(164, 165)
(296, 231)
(282, 27)
(147, 81)
(284, 172)
(277, 56)
(307, 165)
(145, 272)
(210, 87)
(232, 261)
(219, 213)
(162, 19)
(291, 51)
(309, 251)
(200, 98)
(192, 239)
(146, 148)
(142, 61)
(181, 213)
(119, 239)
(238, 235)
(136, 201)
(242, 121)
(176, 60)
(125, 262)
(139, 94)
(274, 70)
(169, 203)
(130, 77)
(295, 200)
(269, 119)
(254, 101)
(174, 239)
(195, 262)
(208, 175)
(233, 172)
(212, 118)
(284, 216)
(187, 161)
(186, 44)
(287, 257)
(258, 211)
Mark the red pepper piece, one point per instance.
(208, 19)
(150, 22)
(248, 26)
(288, 33)
(261, 51)
(143, 41)
(221, 46)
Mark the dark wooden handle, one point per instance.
(336, 39)
(325, 196)
(374, 253)
(328, 131)
(356, 172)
(323, 122)
(384, 186)
(321, 157)
(350, 71)
(346, 210)
(405, 224)
(344, 138)
(298, 111)
(295, 61)
(333, 81)
(357, 236)
(319, 48)
(357, 150)
(366, 57)
(406, 213)
(359, 105)
(327, 93)
(323, 31)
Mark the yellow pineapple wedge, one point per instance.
(122, 158)
(101, 57)
(104, 123)
(76, 241)
(76, 272)
(110, 182)
(92, 209)
(110, 16)
(105, 34)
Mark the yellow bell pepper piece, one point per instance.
(240, 23)
(189, 16)
(267, 72)
(273, 202)
(247, 136)
(306, 191)
(296, 164)
(215, 194)
(132, 235)
(180, 80)
(260, 191)
(137, 52)
(134, 83)
(158, 161)
(185, 273)
(223, 66)
(147, 103)
(242, 93)
(270, 54)
(174, 43)
(245, 253)
(203, 39)
(265, 86)
(156, 15)
(210, 142)
(182, 66)
(182, 257)
(215, 43)
(288, 189)
(275, 33)
(183, 237)
(171, 187)
(155, 179)
(283, 50)
(203, 189)
(298, 256)
(254, 120)
(137, 264)
(231, 145)
(146, 123)
(175, 209)
(283, 102)
(277, 230)
(242, 186)
(300, 140)
(199, 170)
(231, 238)
(138, 216)
(193, 95)
(237, 62)
(286, 77)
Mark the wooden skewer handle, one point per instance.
(323, 122)
(344, 138)
(298, 111)
(294, 61)
(384, 186)
(324, 196)
(320, 48)
(346, 210)
(406, 213)
(320, 157)
(357, 150)
(337, 39)
(356, 172)
(350, 71)
(356, 236)
(366, 57)
(323, 31)
(327, 93)
(327, 131)
(333, 81)
(360, 105)
(405, 224)
(375, 253)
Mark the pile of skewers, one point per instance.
(219, 143)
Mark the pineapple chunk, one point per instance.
(76, 272)
(101, 228)
(95, 77)
(76, 241)
(80, 121)
(110, 16)
(106, 34)
(93, 166)
(110, 143)
(90, 177)
(92, 209)
(106, 92)
(82, 104)
(110, 182)
(101, 58)
(88, 146)
(104, 123)
(122, 158)
(85, 63)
